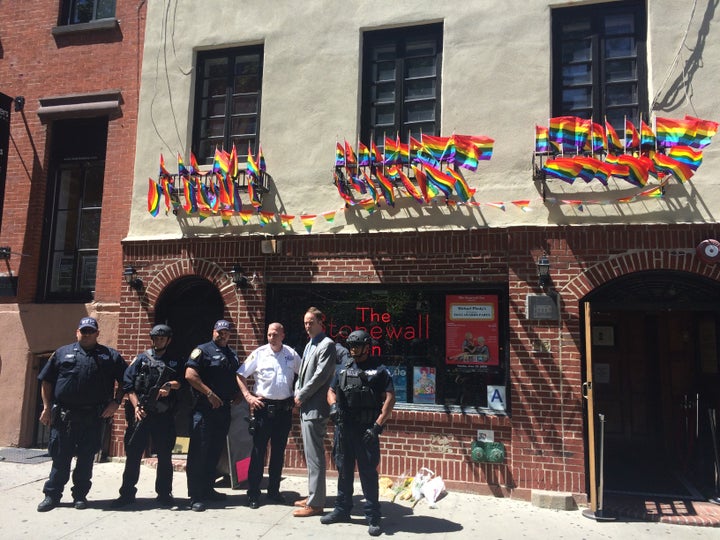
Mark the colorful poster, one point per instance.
(423, 384)
(399, 377)
(471, 325)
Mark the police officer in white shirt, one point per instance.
(273, 366)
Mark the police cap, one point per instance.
(161, 330)
(358, 338)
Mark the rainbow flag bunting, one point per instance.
(245, 215)
(265, 217)
(286, 221)
(308, 220)
(498, 205)
(329, 216)
(523, 205)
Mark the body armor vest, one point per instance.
(359, 402)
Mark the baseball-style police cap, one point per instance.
(88, 322)
(222, 324)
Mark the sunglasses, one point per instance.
(87, 331)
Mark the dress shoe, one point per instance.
(374, 529)
(80, 504)
(197, 506)
(278, 498)
(308, 511)
(336, 516)
(302, 503)
(122, 500)
(47, 504)
(216, 496)
(253, 503)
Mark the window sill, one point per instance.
(81, 28)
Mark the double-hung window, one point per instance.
(85, 11)
(599, 63)
(401, 83)
(227, 101)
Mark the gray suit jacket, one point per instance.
(316, 374)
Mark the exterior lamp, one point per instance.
(543, 271)
(130, 275)
(238, 278)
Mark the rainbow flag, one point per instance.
(350, 158)
(440, 180)
(234, 167)
(221, 163)
(386, 186)
(424, 157)
(463, 190)
(437, 147)
(704, 130)
(154, 192)
(542, 141)
(286, 221)
(167, 191)
(370, 187)
(407, 184)
(356, 182)
(632, 137)
(523, 205)
(589, 169)
(404, 151)
(672, 132)
(261, 159)
(368, 205)
(190, 205)
(253, 194)
(562, 131)
(463, 152)
(308, 220)
(421, 179)
(604, 172)
(678, 169)
(565, 169)
(597, 140)
(647, 136)
(252, 168)
(614, 143)
(687, 155)
(194, 167)
(339, 155)
(163, 171)
(342, 188)
(226, 215)
(414, 146)
(375, 155)
(182, 169)
(329, 216)
(363, 155)
(237, 201)
(638, 169)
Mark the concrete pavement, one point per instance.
(457, 516)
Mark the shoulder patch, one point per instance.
(195, 354)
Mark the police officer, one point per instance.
(211, 374)
(361, 400)
(273, 366)
(79, 393)
(150, 383)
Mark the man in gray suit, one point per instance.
(316, 374)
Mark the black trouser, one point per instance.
(208, 432)
(161, 429)
(349, 449)
(74, 432)
(273, 423)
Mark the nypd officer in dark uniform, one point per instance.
(79, 393)
(361, 400)
(150, 382)
(210, 371)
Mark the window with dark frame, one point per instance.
(227, 101)
(74, 208)
(401, 83)
(410, 328)
(85, 11)
(599, 62)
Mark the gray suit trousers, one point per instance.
(313, 434)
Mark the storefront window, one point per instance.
(446, 346)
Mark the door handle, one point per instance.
(586, 386)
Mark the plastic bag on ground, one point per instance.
(432, 490)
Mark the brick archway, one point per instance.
(638, 261)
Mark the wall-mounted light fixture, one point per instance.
(238, 277)
(543, 271)
(19, 103)
(130, 275)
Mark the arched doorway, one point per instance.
(655, 379)
(190, 305)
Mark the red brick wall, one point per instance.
(544, 437)
(35, 64)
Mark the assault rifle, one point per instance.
(149, 401)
